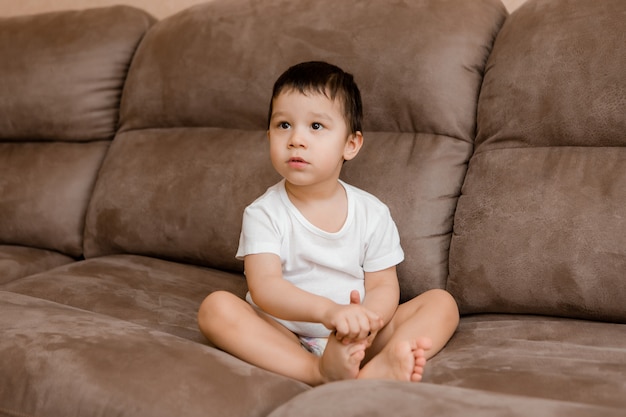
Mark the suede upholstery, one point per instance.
(130, 147)
(68, 354)
(61, 82)
(220, 80)
(540, 226)
(162, 167)
(45, 191)
(20, 261)
(425, 400)
(66, 71)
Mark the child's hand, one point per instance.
(355, 298)
(353, 322)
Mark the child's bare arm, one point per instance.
(282, 299)
(277, 296)
(382, 293)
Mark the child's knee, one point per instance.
(218, 305)
(445, 302)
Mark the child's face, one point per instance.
(309, 138)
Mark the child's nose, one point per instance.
(297, 140)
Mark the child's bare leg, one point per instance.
(420, 328)
(237, 328)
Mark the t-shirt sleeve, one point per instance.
(259, 233)
(383, 248)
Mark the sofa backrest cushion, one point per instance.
(177, 194)
(541, 224)
(45, 188)
(214, 64)
(62, 73)
(61, 78)
(195, 110)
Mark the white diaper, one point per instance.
(315, 345)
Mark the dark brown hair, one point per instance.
(323, 78)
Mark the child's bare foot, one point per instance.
(403, 361)
(422, 345)
(341, 361)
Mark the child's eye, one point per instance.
(316, 126)
(284, 125)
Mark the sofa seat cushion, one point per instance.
(21, 261)
(552, 358)
(60, 361)
(403, 399)
(158, 294)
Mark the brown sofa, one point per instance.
(129, 148)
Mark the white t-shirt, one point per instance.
(322, 263)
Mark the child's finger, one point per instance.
(375, 322)
(356, 324)
(365, 327)
(343, 329)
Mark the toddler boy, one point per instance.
(320, 255)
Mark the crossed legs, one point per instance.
(418, 330)
(237, 328)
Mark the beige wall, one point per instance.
(512, 4)
(158, 8)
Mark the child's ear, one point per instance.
(353, 145)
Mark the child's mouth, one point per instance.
(297, 162)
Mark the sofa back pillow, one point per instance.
(193, 150)
(62, 73)
(61, 79)
(540, 227)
